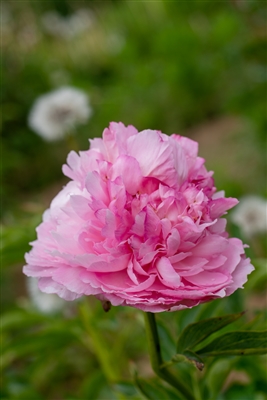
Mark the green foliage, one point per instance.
(199, 331)
(231, 343)
(236, 343)
(15, 239)
(152, 389)
(164, 65)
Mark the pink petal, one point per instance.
(80, 205)
(96, 187)
(37, 271)
(167, 273)
(71, 279)
(115, 139)
(210, 245)
(138, 269)
(131, 274)
(207, 279)
(142, 286)
(240, 275)
(152, 223)
(47, 285)
(173, 242)
(128, 168)
(109, 229)
(153, 155)
(218, 207)
(178, 257)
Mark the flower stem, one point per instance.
(100, 348)
(72, 142)
(157, 361)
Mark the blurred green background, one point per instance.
(197, 68)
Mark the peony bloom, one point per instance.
(54, 114)
(139, 224)
(251, 215)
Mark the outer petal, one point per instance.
(167, 273)
(128, 168)
(47, 285)
(154, 156)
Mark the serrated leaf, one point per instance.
(236, 343)
(199, 331)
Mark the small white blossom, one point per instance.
(55, 114)
(54, 24)
(67, 27)
(80, 21)
(45, 303)
(251, 215)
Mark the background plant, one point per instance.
(195, 68)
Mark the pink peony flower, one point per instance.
(140, 225)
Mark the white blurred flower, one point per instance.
(67, 27)
(53, 115)
(46, 303)
(54, 24)
(80, 21)
(251, 215)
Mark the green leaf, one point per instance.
(194, 359)
(258, 279)
(237, 343)
(199, 331)
(21, 319)
(166, 340)
(92, 385)
(216, 376)
(127, 389)
(153, 389)
(39, 342)
(188, 357)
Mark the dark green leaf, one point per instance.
(35, 344)
(126, 388)
(258, 279)
(237, 343)
(20, 319)
(199, 331)
(92, 385)
(188, 357)
(153, 389)
(195, 359)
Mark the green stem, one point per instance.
(157, 361)
(72, 142)
(99, 346)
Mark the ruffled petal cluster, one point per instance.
(139, 224)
